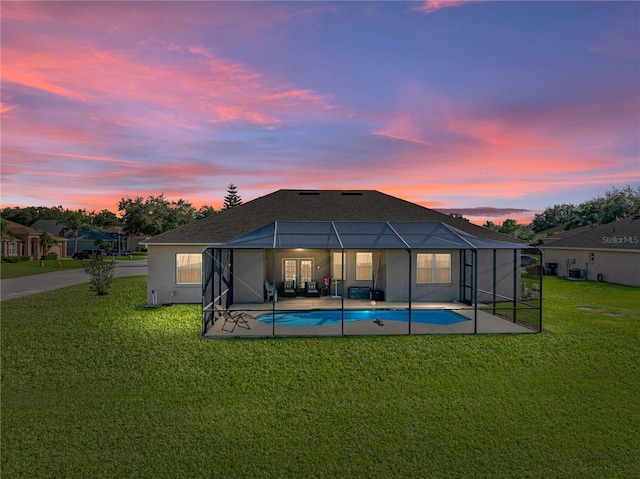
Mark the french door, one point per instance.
(298, 270)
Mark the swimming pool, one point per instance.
(328, 318)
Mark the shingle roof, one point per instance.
(19, 229)
(619, 235)
(562, 233)
(310, 205)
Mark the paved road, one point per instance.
(28, 285)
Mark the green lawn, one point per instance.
(27, 268)
(93, 387)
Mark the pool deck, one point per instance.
(486, 324)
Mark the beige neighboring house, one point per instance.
(608, 252)
(175, 257)
(25, 241)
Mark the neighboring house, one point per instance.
(122, 243)
(136, 242)
(25, 241)
(609, 252)
(86, 238)
(175, 257)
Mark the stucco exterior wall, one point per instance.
(397, 271)
(504, 274)
(162, 275)
(248, 270)
(619, 267)
(252, 267)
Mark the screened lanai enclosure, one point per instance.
(362, 278)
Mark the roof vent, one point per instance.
(351, 193)
(309, 193)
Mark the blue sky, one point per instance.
(493, 109)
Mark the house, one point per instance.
(609, 252)
(23, 240)
(86, 239)
(175, 265)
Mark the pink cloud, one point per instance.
(201, 85)
(430, 6)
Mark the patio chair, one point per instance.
(235, 317)
(272, 292)
(312, 289)
(289, 289)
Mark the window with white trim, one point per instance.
(188, 268)
(433, 268)
(364, 266)
(13, 249)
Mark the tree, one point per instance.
(74, 221)
(46, 242)
(30, 214)
(205, 211)
(525, 234)
(553, 216)
(614, 205)
(155, 215)
(508, 227)
(103, 219)
(232, 199)
(619, 204)
(490, 225)
(101, 272)
(459, 216)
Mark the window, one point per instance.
(290, 268)
(13, 249)
(364, 266)
(188, 268)
(298, 270)
(336, 265)
(433, 268)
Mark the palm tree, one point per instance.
(46, 242)
(75, 221)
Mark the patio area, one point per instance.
(487, 323)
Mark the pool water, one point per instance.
(327, 318)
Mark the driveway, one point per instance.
(28, 285)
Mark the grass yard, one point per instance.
(28, 268)
(93, 387)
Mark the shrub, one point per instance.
(50, 256)
(101, 272)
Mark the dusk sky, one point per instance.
(492, 109)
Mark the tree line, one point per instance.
(616, 204)
(156, 214)
(138, 216)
